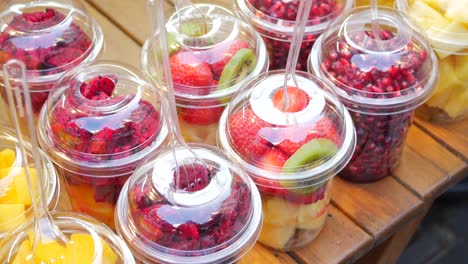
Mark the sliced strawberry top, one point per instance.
(188, 70)
(297, 100)
(273, 159)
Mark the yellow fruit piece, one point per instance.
(11, 215)
(461, 67)
(23, 255)
(440, 5)
(51, 252)
(18, 191)
(427, 16)
(276, 236)
(447, 81)
(457, 11)
(457, 104)
(277, 211)
(446, 33)
(7, 158)
(312, 216)
(80, 249)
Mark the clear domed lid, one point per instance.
(305, 136)
(102, 113)
(88, 241)
(210, 54)
(50, 37)
(387, 64)
(209, 213)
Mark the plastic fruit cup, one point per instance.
(291, 153)
(99, 122)
(446, 26)
(88, 241)
(15, 201)
(381, 82)
(206, 214)
(387, 3)
(50, 37)
(207, 68)
(274, 20)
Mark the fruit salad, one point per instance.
(87, 242)
(381, 77)
(15, 199)
(202, 209)
(50, 38)
(100, 121)
(446, 25)
(274, 20)
(208, 65)
(387, 3)
(291, 145)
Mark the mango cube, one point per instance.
(11, 215)
(7, 158)
(461, 67)
(18, 191)
(51, 252)
(23, 255)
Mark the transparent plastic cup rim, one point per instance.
(37, 77)
(284, 27)
(408, 102)
(241, 242)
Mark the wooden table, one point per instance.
(367, 223)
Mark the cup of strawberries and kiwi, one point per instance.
(210, 57)
(291, 145)
(446, 25)
(99, 122)
(381, 72)
(50, 37)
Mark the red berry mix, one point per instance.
(190, 228)
(278, 47)
(45, 53)
(380, 138)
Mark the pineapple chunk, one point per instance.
(427, 16)
(461, 67)
(445, 33)
(457, 11)
(24, 256)
(312, 216)
(457, 104)
(277, 211)
(51, 252)
(440, 5)
(7, 158)
(11, 215)
(447, 81)
(276, 236)
(80, 249)
(18, 190)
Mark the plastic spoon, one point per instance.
(16, 87)
(156, 15)
(295, 48)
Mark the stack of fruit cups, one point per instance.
(210, 213)
(50, 37)
(381, 78)
(291, 153)
(446, 24)
(275, 20)
(88, 241)
(208, 65)
(15, 201)
(99, 122)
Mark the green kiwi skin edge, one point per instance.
(239, 66)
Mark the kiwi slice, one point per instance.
(313, 150)
(238, 67)
(193, 29)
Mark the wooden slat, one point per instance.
(379, 207)
(260, 255)
(454, 135)
(340, 241)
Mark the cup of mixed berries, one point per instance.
(99, 122)
(211, 54)
(292, 140)
(197, 208)
(381, 72)
(275, 20)
(50, 37)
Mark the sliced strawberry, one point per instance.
(297, 100)
(201, 115)
(192, 177)
(220, 55)
(244, 127)
(327, 129)
(273, 159)
(188, 70)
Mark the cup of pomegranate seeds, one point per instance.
(209, 212)
(50, 37)
(274, 20)
(380, 78)
(100, 121)
(210, 58)
(446, 25)
(291, 149)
